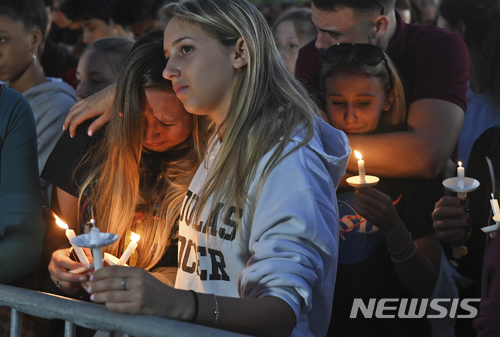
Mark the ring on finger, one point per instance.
(124, 283)
(58, 283)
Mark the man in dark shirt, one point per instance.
(433, 65)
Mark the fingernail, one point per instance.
(90, 133)
(463, 202)
(92, 297)
(91, 278)
(82, 279)
(64, 128)
(466, 209)
(467, 221)
(89, 290)
(71, 135)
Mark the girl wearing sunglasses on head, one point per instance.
(387, 246)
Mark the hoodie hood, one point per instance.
(331, 145)
(50, 102)
(48, 90)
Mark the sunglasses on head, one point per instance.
(369, 54)
(382, 9)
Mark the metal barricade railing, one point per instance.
(94, 316)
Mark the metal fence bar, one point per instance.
(15, 323)
(95, 316)
(69, 329)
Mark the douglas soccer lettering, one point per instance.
(209, 264)
(190, 256)
(226, 230)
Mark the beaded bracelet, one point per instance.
(408, 257)
(195, 306)
(402, 250)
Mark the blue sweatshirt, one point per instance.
(287, 245)
(21, 226)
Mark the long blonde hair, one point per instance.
(113, 184)
(268, 104)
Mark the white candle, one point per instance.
(70, 234)
(96, 252)
(460, 175)
(361, 166)
(130, 248)
(494, 205)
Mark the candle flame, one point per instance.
(134, 237)
(358, 155)
(460, 163)
(59, 222)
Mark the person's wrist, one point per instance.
(400, 247)
(460, 238)
(404, 255)
(195, 306)
(395, 234)
(459, 248)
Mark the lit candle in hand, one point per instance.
(460, 175)
(494, 205)
(130, 248)
(70, 234)
(95, 238)
(361, 166)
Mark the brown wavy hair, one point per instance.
(115, 180)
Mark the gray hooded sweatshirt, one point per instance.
(51, 102)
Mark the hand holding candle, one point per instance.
(361, 166)
(70, 234)
(494, 205)
(361, 180)
(492, 229)
(95, 240)
(96, 251)
(457, 184)
(461, 175)
(130, 248)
